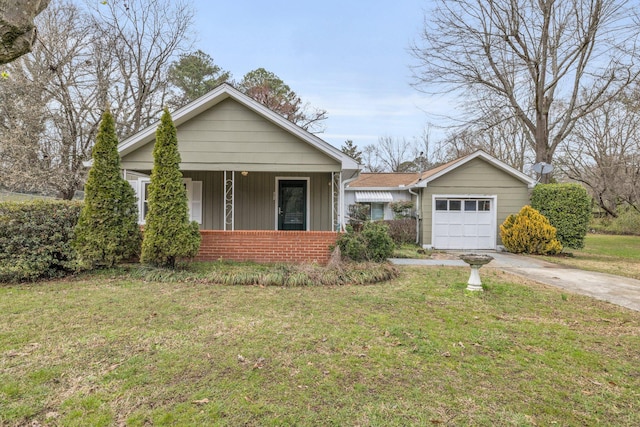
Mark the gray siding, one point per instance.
(476, 177)
(255, 202)
(229, 136)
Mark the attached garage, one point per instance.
(464, 222)
(463, 203)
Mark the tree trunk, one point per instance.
(17, 31)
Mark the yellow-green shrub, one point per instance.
(529, 232)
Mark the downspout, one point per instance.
(417, 215)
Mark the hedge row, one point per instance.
(35, 239)
(568, 209)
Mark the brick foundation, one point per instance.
(267, 246)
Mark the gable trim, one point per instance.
(422, 183)
(219, 94)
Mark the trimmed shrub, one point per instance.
(35, 239)
(529, 232)
(402, 230)
(168, 233)
(568, 209)
(373, 243)
(107, 230)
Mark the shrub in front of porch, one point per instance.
(168, 233)
(373, 243)
(107, 231)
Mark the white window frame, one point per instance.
(194, 188)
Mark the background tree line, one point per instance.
(536, 80)
(552, 81)
(134, 58)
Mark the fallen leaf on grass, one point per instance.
(259, 364)
(201, 401)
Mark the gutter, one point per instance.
(342, 190)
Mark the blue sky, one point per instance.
(350, 58)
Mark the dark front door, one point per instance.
(292, 205)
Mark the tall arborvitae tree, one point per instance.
(168, 233)
(107, 230)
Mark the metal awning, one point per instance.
(373, 196)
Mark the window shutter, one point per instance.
(196, 201)
(135, 184)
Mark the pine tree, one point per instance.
(351, 150)
(107, 231)
(168, 233)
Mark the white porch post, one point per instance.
(336, 201)
(341, 220)
(229, 200)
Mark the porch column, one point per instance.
(229, 200)
(336, 201)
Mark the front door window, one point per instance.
(292, 205)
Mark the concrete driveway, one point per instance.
(607, 287)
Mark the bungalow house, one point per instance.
(459, 205)
(260, 187)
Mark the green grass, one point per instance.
(613, 254)
(411, 251)
(627, 247)
(418, 350)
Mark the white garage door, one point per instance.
(464, 223)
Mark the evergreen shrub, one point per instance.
(168, 233)
(568, 209)
(529, 232)
(108, 230)
(35, 239)
(373, 243)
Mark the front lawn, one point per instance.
(419, 350)
(606, 253)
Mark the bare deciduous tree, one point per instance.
(390, 155)
(495, 133)
(604, 155)
(84, 62)
(548, 63)
(146, 36)
(50, 109)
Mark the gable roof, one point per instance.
(219, 94)
(436, 173)
(399, 181)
